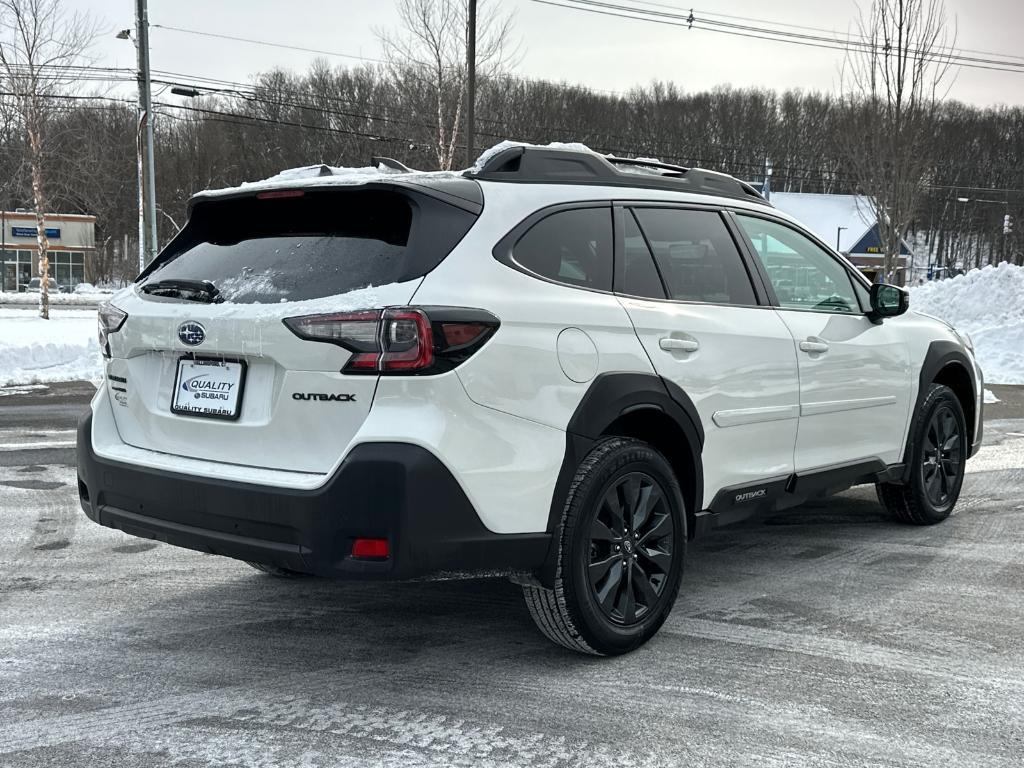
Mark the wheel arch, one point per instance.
(640, 405)
(947, 363)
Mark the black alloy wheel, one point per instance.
(942, 456)
(936, 461)
(631, 548)
(621, 551)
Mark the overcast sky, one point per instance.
(558, 44)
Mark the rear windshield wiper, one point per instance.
(189, 290)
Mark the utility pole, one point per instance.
(147, 171)
(471, 86)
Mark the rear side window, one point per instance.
(572, 247)
(696, 256)
(317, 244)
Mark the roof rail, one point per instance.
(551, 165)
(390, 163)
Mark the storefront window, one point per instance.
(67, 268)
(16, 269)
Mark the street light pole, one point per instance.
(147, 234)
(471, 84)
(838, 230)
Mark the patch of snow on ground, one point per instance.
(990, 396)
(63, 348)
(988, 304)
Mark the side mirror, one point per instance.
(888, 301)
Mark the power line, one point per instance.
(220, 36)
(778, 36)
(775, 23)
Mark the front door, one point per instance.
(855, 378)
(696, 312)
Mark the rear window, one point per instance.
(321, 243)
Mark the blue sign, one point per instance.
(51, 232)
(871, 244)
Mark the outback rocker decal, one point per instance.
(749, 496)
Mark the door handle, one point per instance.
(813, 347)
(671, 344)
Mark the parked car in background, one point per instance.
(34, 286)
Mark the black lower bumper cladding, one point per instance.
(394, 491)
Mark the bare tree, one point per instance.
(897, 71)
(426, 58)
(40, 46)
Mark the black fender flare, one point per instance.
(941, 354)
(610, 396)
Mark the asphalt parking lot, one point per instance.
(826, 635)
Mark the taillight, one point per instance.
(400, 340)
(109, 319)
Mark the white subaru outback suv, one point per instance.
(557, 366)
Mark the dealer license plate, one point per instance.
(207, 387)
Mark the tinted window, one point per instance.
(639, 276)
(315, 245)
(803, 274)
(573, 247)
(696, 256)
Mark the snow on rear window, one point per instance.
(294, 249)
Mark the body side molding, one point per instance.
(736, 417)
(836, 406)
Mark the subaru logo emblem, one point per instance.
(191, 333)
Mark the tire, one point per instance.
(638, 578)
(276, 572)
(937, 458)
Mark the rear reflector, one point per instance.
(460, 334)
(371, 548)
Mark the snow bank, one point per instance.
(63, 348)
(988, 303)
(56, 299)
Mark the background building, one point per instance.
(72, 244)
(848, 224)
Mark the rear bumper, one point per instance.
(396, 491)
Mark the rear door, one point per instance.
(855, 379)
(695, 307)
(204, 366)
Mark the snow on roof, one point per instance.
(314, 176)
(824, 214)
(487, 154)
